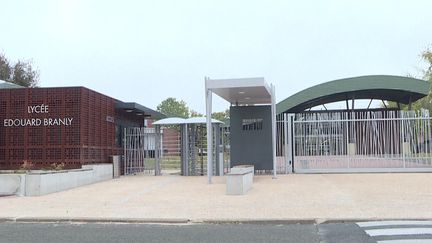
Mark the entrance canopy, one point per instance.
(382, 87)
(180, 121)
(139, 110)
(244, 91)
(239, 92)
(8, 85)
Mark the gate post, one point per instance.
(285, 129)
(347, 139)
(158, 148)
(125, 151)
(273, 121)
(403, 137)
(290, 143)
(185, 146)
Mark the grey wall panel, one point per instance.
(251, 146)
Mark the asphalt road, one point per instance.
(331, 232)
(42, 233)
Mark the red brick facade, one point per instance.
(72, 125)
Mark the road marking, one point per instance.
(399, 231)
(406, 241)
(393, 222)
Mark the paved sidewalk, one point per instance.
(290, 197)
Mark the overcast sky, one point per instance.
(146, 51)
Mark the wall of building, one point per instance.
(251, 136)
(70, 125)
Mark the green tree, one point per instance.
(425, 102)
(195, 114)
(427, 57)
(21, 72)
(178, 108)
(221, 116)
(173, 108)
(5, 68)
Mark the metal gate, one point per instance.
(358, 141)
(181, 148)
(140, 150)
(174, 150)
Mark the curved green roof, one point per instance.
(384, 87)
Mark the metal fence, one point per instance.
(284, 158)
(139, 150)
(359, 141)
(174, 149)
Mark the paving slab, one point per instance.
(295, 197)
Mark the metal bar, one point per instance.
(403, 140)
(285, 129)
(370, 102)
(273, 113)
(208, 94)
(294, 142)
(186, 152)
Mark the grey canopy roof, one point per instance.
(139, 109)
(8, 85)
(180, 121)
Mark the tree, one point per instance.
(222, 115)
(425, 102)
(172, 107)
(5, 68)
(195, 114)
(21, 73)
(427, 57)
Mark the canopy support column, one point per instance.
(273, 114)
(209, 126)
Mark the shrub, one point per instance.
(27, 165)
(58, 166)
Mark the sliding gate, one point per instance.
(359, 141)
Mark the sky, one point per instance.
(147, 51)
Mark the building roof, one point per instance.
(241, 91)
(179, 121)
(384, 87)
(8, 85)
(200, 120)
(132, 107)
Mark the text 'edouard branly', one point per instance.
(35, 122)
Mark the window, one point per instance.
(252, 124)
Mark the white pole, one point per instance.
(287, 154)
(209, 132)
(273, 114)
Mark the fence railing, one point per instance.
(174, 150)
(360, 140)
(139, 150)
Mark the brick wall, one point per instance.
(78, 132)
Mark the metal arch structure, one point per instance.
(355, 140)
(382, 87)
(240, 92)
